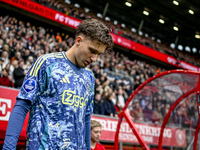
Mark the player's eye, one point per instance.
(93, 51)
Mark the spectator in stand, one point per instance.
(122, 83)
(136, 112)
(1, 64)
(97, 83)
(103, 78)
(177, 118)
(157, 117)
(120, 98)
(5, 58)
(26, 55)
(8, 69)
(98, 105)
(115, 84)
(191, 112)
(95, 69)
(105, 84)
(29, 63)
(1, 44)
(128, 90)
(186, 123)
(58, 38)
(100, 90)
(17, 57)
(125, 95)
(144, 102)
(154, 103)
(6, 79)
(13, 66)
(6, 48)
(137, 82)
(19, 75)
(109, 107)
(114, 98)
(96, 129)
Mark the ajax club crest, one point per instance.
(88, 85)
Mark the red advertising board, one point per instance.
(7, 102)
(59, 17)
(45, 12)
(150, 133)
(144, 50)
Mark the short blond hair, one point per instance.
(94, 124)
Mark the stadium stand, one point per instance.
(23, 42)
(79, 13)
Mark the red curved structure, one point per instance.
(198, 105)
(184, 94)
(168, 115)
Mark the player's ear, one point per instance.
(78, 41)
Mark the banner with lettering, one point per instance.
(59, 17)
(45, 12)
(7, 102)
(150, 133)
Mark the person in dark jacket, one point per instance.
(19, 75)
(109, 107)
(98, 105)
(5, 79)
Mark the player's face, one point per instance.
(87, 51)
(95, 134)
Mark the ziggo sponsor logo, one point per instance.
(70, 98)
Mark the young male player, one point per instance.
(58, 90)
(96, 129)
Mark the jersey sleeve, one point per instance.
(89, 108)
(35, 81)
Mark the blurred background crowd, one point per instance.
(80, 13)
(117, 74)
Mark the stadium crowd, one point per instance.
(80, 13)
(21, 43)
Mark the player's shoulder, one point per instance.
(44, 61)
(51, 56)
(88, 70)
(48, 58)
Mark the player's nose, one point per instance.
(94, 57)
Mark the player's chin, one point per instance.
(82, 65)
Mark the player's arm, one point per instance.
(88, 125)
(89, 111)
(34, 83)
(15, 124)
(87, 132)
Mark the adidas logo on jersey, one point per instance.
(65, 80)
